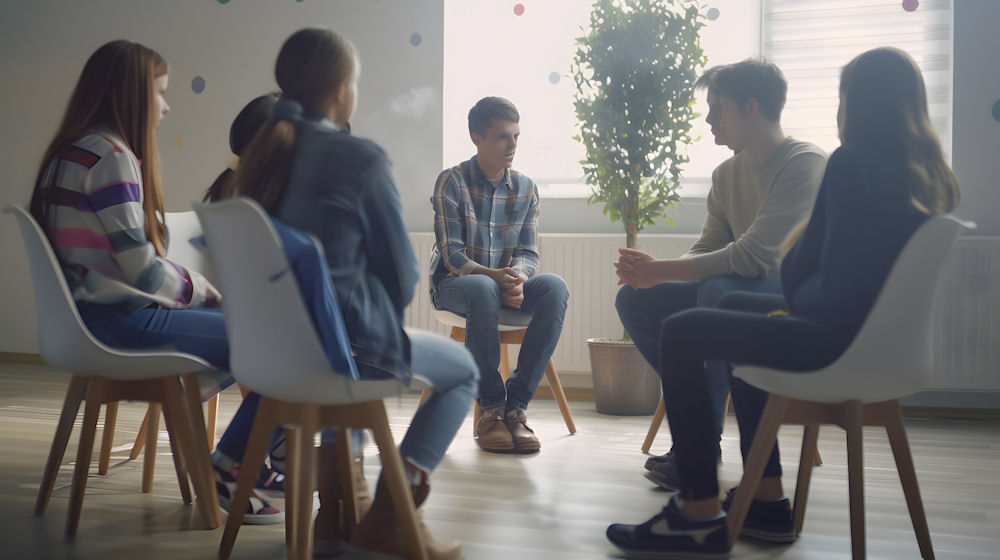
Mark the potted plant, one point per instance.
(635, 70)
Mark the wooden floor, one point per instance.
(554, 505)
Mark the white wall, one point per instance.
(43, 46)
(233, 46)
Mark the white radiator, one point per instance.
(967, 313)
(967, 318)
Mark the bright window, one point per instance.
(522, 51)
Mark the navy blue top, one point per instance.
(862, 219)
(342, 191)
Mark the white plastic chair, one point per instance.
(513, 325)
(106, 375)
(183, 227)
(890, 358)
(275, 351)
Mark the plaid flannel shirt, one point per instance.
(477, 224)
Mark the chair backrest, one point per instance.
(185, 227)
(274, 348)
(63, 338)
(891, 356)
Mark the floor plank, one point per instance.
(556, 504)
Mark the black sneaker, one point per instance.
(662, 470)
(766, 521)
(671, 535)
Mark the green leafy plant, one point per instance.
(635, 70)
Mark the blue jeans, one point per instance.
(642, 312)
(477, 298)
(200, 331)
(453, 376)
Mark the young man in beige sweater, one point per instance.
(757, 197)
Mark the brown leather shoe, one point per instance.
(493, 434)
(525, 440)
(380, 532)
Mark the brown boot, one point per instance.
(525, 440)
(492, 432)
(380, 530)
(332, 527)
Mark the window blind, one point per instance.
(811, 40)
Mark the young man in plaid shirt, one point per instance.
(485, 268)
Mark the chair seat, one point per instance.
(330, 389)
(826, 385)
(510, 319)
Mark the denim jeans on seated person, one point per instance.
(642, 312)
(450, 371)
(477, 298)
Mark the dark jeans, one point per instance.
(739, 332)
(642, 311)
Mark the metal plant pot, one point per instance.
(624, 382)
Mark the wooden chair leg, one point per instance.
(71, 405)
(149, 461)
(560, 396)
(304, 470)
(347, 468)
(291, 488)
(654, 426)
(395, 478)
(504, 362)
(196, 455)
(908, 478)
(855, 476)
(107, 437)
(95, 393)
(810, 436)
(760, 451)
(263, 424)
(140, 438)
(180, 467)
(211, 419)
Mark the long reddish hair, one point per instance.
(116, 90)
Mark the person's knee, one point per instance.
(482, 294)
(553, 289)
(628, 303)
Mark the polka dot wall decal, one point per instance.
(179, 142)
(416, 39)
(713, 14)
(554, 77)
(910, 5)
(518, 9)
(996, 111)
(198, 84)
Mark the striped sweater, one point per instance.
(92, 190)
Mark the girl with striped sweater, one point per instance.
(99, 198)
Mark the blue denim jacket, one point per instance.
(341, 190)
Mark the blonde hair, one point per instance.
(116, 90)
(312, 64)
(885, 107)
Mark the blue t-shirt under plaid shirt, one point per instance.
(477, 223)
